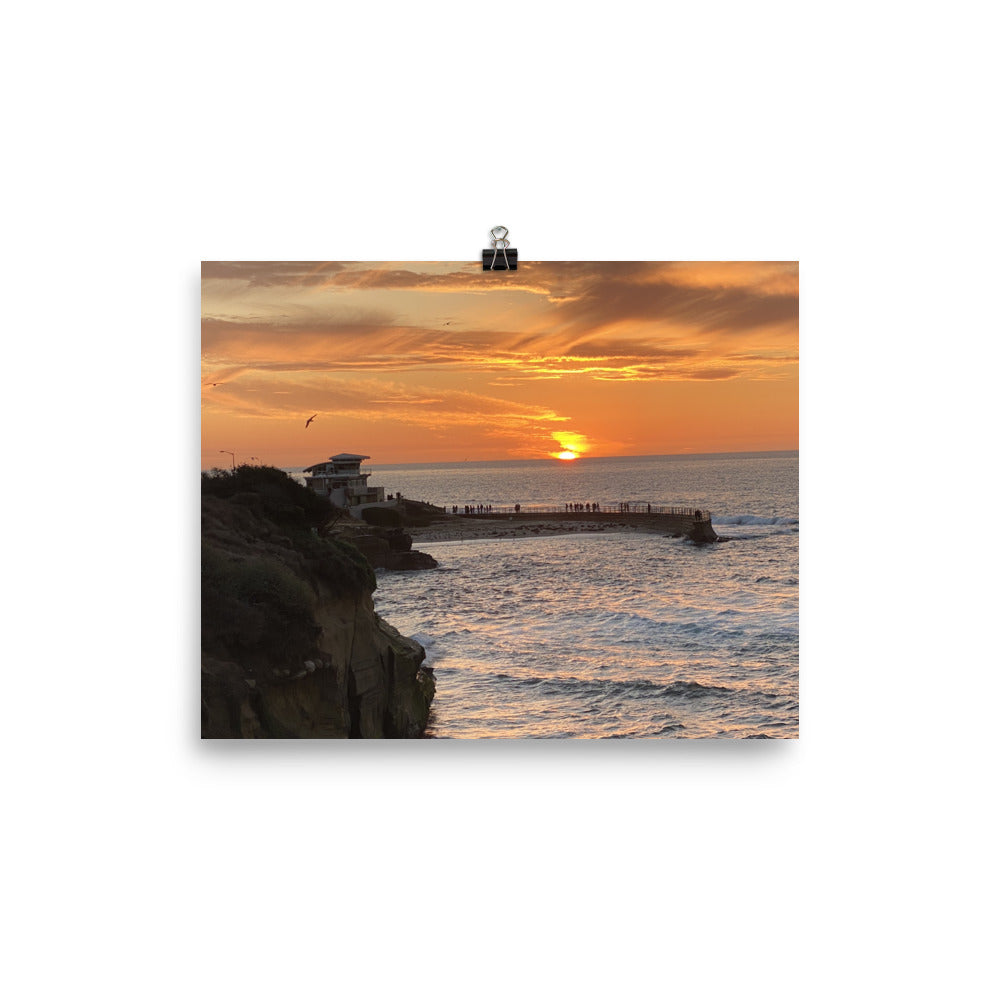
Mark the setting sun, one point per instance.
(571, 445)
(406, 361)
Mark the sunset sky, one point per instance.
(441, 362)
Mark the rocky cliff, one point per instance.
(291, 644)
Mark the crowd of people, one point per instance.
(569, 508)
(481, 508)
(623, 507)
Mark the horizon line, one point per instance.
(490, 461)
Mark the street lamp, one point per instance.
(222, 451)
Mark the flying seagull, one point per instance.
(311, 419)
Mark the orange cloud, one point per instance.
(472, 361)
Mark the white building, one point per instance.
(342, 482)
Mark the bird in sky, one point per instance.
(311, 419)
(215, 383)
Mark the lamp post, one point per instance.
(222, 451)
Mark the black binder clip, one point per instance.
(492, 260)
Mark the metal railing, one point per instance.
(624, 508)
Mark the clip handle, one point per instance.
(499, 242)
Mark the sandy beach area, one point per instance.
(466, 528)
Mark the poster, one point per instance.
(556, 502)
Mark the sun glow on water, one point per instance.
(567, 456)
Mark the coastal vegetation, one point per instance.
(271, 491)
(291, 645)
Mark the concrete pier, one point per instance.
(693, 524)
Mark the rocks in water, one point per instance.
(410, 561)
(390, 548)
(399, 541)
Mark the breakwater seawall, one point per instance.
(695, 525)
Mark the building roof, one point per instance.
(337, 458)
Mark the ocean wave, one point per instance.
(645, 732)
(753, 536)
(429, 644)
(754, 519)
(640, 687)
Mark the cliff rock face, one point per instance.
(365, 681)
(291, 644)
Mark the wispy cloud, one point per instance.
(443, 346)
(338, 397)
(271, 273)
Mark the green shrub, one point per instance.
(279, 497)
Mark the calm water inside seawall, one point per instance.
(611, 635)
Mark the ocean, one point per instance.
(609, 635)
